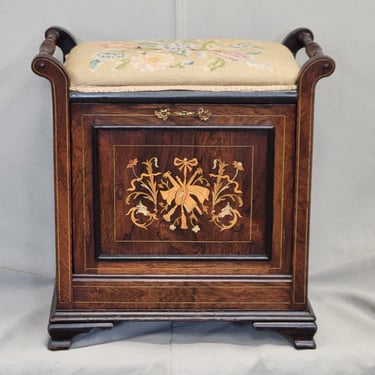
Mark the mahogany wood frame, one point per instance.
(297, 322)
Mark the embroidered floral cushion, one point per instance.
(216, 64)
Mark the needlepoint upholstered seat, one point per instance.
(211, 64)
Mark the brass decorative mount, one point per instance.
(201, 113)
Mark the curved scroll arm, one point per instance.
(46, 65)
(318, 65)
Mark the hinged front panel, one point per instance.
(183, 192)
(174, 194)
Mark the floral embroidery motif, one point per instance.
(152, 61)
(159, 55)
(183, 198)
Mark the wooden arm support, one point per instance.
(312, 48)
(302, 38)
(57, 36)
(48, 46)
(318, 65)
(45, 64)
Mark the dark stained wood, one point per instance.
(197, 97)
(129, 247)
(113, 121)
(294, 40)
(312, 48)
(62, 38)
(47, 66)
(316, 68)
(182, 294)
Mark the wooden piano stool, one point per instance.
(182, 181)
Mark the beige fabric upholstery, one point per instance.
(217, 64)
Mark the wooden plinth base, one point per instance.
(297, 326)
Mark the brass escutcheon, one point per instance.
(201, 113)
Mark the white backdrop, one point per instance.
(342, 251)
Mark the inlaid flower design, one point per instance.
(182, 199)
(143, 189)
(225, 190)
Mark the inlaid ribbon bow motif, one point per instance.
(183, 199)
(185, 194)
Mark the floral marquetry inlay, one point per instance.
(183, 198)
